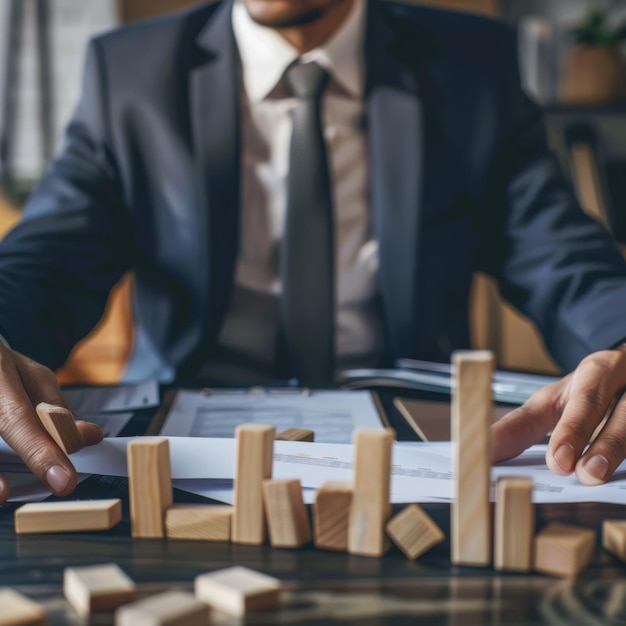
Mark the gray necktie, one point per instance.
(307, 255)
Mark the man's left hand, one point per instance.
(589, 399)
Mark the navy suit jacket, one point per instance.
(461, 180)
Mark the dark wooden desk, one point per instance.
(323, 587)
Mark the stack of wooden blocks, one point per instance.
(354, 517)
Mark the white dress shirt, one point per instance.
(266, 107)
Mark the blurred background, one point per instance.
(572, 56)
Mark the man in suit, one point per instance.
(178, 165)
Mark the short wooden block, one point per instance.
(471, 434)
(564, 550)
(60, 424)
(149, 484)
(331, 512)
(296, 434)
(238, 590)
(414, 532)
(287, 518)
(253, 464)
(515, 524)
(63, 517)
(206, 522)
(97, 589)
(18, 610)
(172, 608)
(614, 537)
(371, 509)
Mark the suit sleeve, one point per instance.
(553, 262)
(74, 240)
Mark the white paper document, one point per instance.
(112, 398)
(333, 415)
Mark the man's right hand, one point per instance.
(23, 385)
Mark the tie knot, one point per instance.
(306, 81)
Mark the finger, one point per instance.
(528, 424)
(607, 451)
(593, 387)
(91, 433)
(21, 429)
(42, 386)
(5, 490)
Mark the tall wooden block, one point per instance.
(67, 516)
(371, 509)
(564, 550)
(296, 434)
(149, 484)
(331, 512)
(207, 522)
(253, 464)
(614, 537)
(515, 524)
(238, 590)
(414, 532)
(60, 424)
(287, 517)
(18, 610)
(97, 589)
(471, 421)
(172, 608)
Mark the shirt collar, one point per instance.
(265, 55)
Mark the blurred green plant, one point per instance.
(596, 30)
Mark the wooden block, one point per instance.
(60, 424)
(238, 590)
(414, 532)
(63, 517)
(149, 484)
(564, 550)
(331, 512)
(296, 434)
(614, 537)
(287, 518)
(253, 464)
(471, 420)
(172, 608)
(18, 610)
(207, 522)
(97, 588)
(371, 509)
(515, 524)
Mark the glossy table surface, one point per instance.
(323, 587)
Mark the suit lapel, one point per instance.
(395, 133)
(214, 104)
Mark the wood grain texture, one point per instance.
(172, 608)
(514, 524)
(471, 436)
(67, 516)
(331, 513)
(371, 509)
(253, 465)
(414, 532)
(97, 588)
(614, 538)
(564, 550)
(18, 610)
(287, 517)
(206, 522)
(238, 590)
(60, 424)
(296, 434)
(149, 485)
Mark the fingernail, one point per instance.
(597, 466)
(565, 457)
(57, 478)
